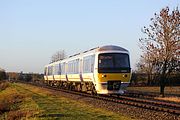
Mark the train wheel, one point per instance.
(93, 90)
(83, 87)
(78, 87)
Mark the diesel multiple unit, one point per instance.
(101, 70)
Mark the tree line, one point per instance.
(2, 74)
(141, 79)
(21, 76)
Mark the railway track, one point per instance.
(155, 105)
(152, 104)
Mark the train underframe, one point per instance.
(87, 87)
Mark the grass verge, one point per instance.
(30, 102)
(168, 90)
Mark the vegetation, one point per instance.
(2, 75)
(20, 101)
(25, 76)
(161, 46)
(171, 99)
(59, 55)
(141, 79)
(168, 90)
(12, 75)
(3, 85)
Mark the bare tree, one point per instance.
(147, 65)
(163, 43)
(59, 55)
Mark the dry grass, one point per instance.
(171, 99)
(53, 106)
(16, 115)
(19, 114)
(4, 107)
(21, 101)
(3, 85)
(10, 102)
(168, 90)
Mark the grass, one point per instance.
(168, 90)
(3, 85)
(12, 104)
(30, 102)
(172, 99)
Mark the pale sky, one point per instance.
(31, 31)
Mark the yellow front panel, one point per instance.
(104, 77)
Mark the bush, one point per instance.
(3, 85)
(142, 79)
(2, 75)
(9, 103)
(16, 115)
(4, 107)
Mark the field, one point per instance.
(20, 101)
(168, 90)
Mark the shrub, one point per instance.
(16, 115)
(3, 85)
(10, 102)
(2, 75)
(4, 107)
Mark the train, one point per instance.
(100, 70)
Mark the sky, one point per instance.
(31, 31)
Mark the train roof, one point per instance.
(111, 47)
(98, 49)
(107, 48)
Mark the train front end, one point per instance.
(113, 73)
